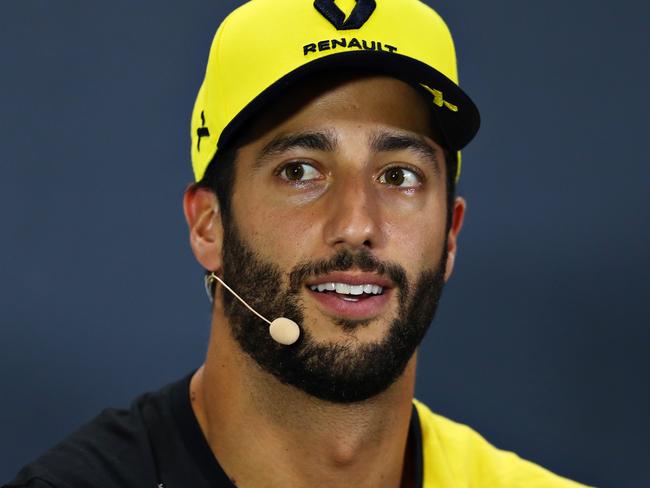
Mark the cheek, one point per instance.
(277, 233)
(415, 228)
(418, 241)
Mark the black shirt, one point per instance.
(157, 443)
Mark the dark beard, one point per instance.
(340, 373)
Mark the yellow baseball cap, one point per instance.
(265, 46)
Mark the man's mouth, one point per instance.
(347, 291)
(350, 295)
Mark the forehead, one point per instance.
(349, 98)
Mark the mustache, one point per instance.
(345, 260)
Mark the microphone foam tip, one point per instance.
(284, 331)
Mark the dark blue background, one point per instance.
(542, 340)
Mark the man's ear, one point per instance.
(457, 216)
(203, 217)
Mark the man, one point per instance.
(325, 150)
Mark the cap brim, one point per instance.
(459, 127)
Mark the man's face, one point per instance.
(338, 221)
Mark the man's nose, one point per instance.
(354, 214)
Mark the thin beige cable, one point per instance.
(212, 275)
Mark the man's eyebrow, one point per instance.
(388, 141)
(319, 141)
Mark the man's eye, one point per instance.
(402, 177)
(299, 172)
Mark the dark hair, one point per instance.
(220, 178)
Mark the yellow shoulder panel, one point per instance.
(454, 455)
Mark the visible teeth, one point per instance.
(356, 290)
(342, 288)
(345, 289)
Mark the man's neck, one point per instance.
(260, 429)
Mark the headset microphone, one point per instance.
(283, 330)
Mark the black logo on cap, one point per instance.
(359, 15)
(201, 132)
